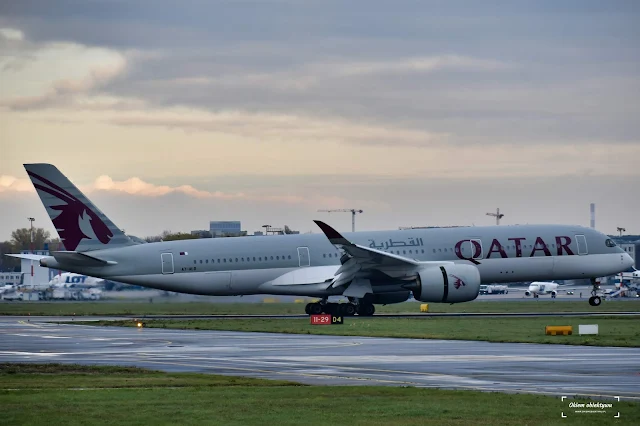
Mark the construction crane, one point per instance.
(353, 215)
(497, 215)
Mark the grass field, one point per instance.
(77, 395)
(613, 331)
(195, 308)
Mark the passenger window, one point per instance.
(289, 257)
(236, 260)
(271, 257)
(225, 260)
(195, 262)
(277, 257)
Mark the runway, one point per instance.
(338, 360)
(301, 316)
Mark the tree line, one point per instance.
(21, 240)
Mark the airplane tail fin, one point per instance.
(80, 225)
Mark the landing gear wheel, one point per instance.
(306, 308)
(330, 308)
(315, 308)
(347, 310)
(366, 310)
(594, 300)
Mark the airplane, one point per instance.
(8, 288)
(445, 265)
(71, 280)
(538, 288)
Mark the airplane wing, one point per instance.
(359, 261)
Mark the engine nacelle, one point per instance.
(554, 293)
(447, 284)
(527, 293)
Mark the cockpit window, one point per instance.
(610, 243)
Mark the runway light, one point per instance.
(140, 325)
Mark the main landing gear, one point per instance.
(594, 300)
(340, 309)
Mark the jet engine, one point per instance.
(447, 284)
(527, 293)
(554, 293)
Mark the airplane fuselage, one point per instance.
(249, 265)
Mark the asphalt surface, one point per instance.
(337, 360)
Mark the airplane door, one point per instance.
(476, 246)
(470, 249)
(582, 245)
(167, 263)
(303, 256)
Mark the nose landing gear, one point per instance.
(594, 300)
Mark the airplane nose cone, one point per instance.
(627, 261)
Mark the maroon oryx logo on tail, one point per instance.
(458, 282)
(73, 215)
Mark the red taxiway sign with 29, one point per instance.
(326, 319)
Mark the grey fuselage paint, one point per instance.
(246, 265)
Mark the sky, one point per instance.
(170, 114)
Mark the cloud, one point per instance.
(272, 126)
(137, 187)
(11, 34)
(419, 64)
(317, 73)
(39, 75)
(14, 184)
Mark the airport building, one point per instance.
(634, 250)
(10, 278)
(227, 228)
(38, 274)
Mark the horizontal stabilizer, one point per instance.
(79, 259)
(26, 256)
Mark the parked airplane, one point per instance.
(71, 280)
(437, 265)
(538, 288)
(8, 288)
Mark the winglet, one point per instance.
(333, 235)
